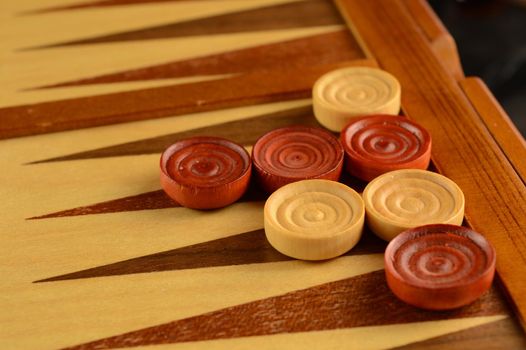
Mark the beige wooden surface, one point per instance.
(58, 314)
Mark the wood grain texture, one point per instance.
(30, 69)
(463, 147)
(245, 132)
(502, 334)
(245, 248)
(351, 302)
(498, 123)
(377, 144)
(144, 201)
(439, 267)
(296, 153)
(442, 43)
(96, 4)
(427, 198)
(251, 88)
(78, 25)
(314, 219)
(162, 264)
(242, 249)
(159, 200)
(205, 172)
(342, 94)
(296, 14)
(326, 48)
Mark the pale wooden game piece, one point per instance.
(408, 198)
(314, 219)
(342, 94)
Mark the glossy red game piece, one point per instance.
(295, 153)
(205, 172)
(377, 144)
(439, 267)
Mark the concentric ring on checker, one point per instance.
(377, 144)
(403, 199)
(296, 153)
(439, 266)
(314, 219)
(342, 94)
(205, 172)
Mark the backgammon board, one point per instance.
(94, 255)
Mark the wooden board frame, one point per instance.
(463, 147)
(95, 255)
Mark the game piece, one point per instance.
(314, 219)
(403, 199)
(205, 172)
(378, 144)
(296, 153)
(439, 267)
(342, 94)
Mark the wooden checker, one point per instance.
(94, 255)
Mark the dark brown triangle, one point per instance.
(96, 4)
(244, 132)
(297, 14)
(245, 248)
(247, 89)
(359, 301)
(502, 334)
(324, 48)
(144, 201)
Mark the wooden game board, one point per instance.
(94, 255)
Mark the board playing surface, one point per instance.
(94, 255)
